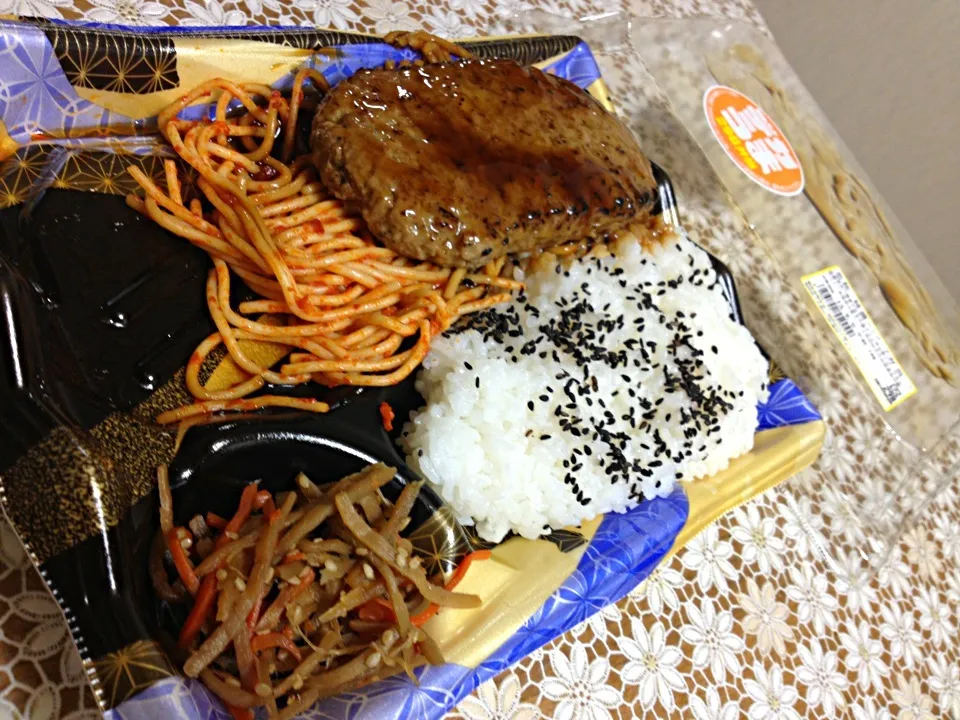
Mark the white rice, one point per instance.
(574, 400)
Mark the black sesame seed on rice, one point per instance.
(609, 433)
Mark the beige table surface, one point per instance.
(751, 619)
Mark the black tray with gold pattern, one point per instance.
(97, 332)
(101, 308)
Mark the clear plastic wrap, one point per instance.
(93, 352)
(661, 70)
(904, 455)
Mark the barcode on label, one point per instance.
(839, 304)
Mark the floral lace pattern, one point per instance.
(768, 613)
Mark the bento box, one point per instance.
(102, 309)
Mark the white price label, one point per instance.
(839, 304)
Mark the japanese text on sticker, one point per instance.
(839, 304)
(752, 140)
(748, 122)
(771, 154)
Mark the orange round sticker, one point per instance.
(753, 141)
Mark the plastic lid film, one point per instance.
(831, 284)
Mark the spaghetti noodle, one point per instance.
(348, 310)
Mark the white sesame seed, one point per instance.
(362, 551)
(221, 575)
(373, 660)
(262, 689)
(331, 565)
(239, 584)
(368, 572)
(293, 580)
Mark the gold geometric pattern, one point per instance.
(106, 172)
(440, 542)
(131, 669)
(302, 38)
(566, 540)
(22, 174)
(134, 64)
(19, 172)
(776, 374)
(477, 542)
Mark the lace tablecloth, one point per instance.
(764, 614)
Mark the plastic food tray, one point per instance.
(101, 310)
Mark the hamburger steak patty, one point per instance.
(460, 163)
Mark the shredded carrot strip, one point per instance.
(380, 610)
(180, 560)
(387, 416)
(275, 640)
(377, 610)
(461, 570)
(264, 501)
(243, 513)
(421, 617)
(240, 713)
(215, 521)
(202, 606)
(254, 617)
(207, 594)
